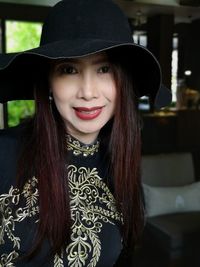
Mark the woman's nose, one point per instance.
(88, 87)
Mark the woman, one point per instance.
(70, 189)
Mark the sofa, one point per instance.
(172, 197)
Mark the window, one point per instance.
(21, 36)
(140, 37)
(174, 68)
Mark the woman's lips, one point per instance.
(84, 113)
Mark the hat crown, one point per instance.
(82, 19)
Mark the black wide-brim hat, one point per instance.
(76, 28)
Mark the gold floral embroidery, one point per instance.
(92, 204)
(80, 149)
(88, 192)
(9, 216)
(6, 260)
(58, 261)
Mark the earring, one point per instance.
(50, 98)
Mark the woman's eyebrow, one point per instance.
(99, 61)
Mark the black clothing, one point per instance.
(95, 237)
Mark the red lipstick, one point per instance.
(84, 113)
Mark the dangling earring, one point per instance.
(50, 100)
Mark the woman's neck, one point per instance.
(85, 138)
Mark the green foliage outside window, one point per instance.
(19, 110)
(21, 36)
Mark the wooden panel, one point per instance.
(23, 12)
(176, 133)
(188, 129)
(159, 134)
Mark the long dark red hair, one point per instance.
(45, 151)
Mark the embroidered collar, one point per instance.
(79, 148)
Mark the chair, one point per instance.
(172, 195)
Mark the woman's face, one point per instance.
(84, 93)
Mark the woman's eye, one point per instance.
(67, 70)
(104, 69)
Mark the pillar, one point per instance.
(160, 29)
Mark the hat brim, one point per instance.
(18, 71)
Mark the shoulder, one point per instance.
(11, 140)
(9, 134)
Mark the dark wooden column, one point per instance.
(192, 60)
(160, 36)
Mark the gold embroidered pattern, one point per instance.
(10, 217)
(88, 194)
(6, 260)
(92, 204)
(58, 261)
(80, 149)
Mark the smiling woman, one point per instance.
(70, 187)
(84, 93)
